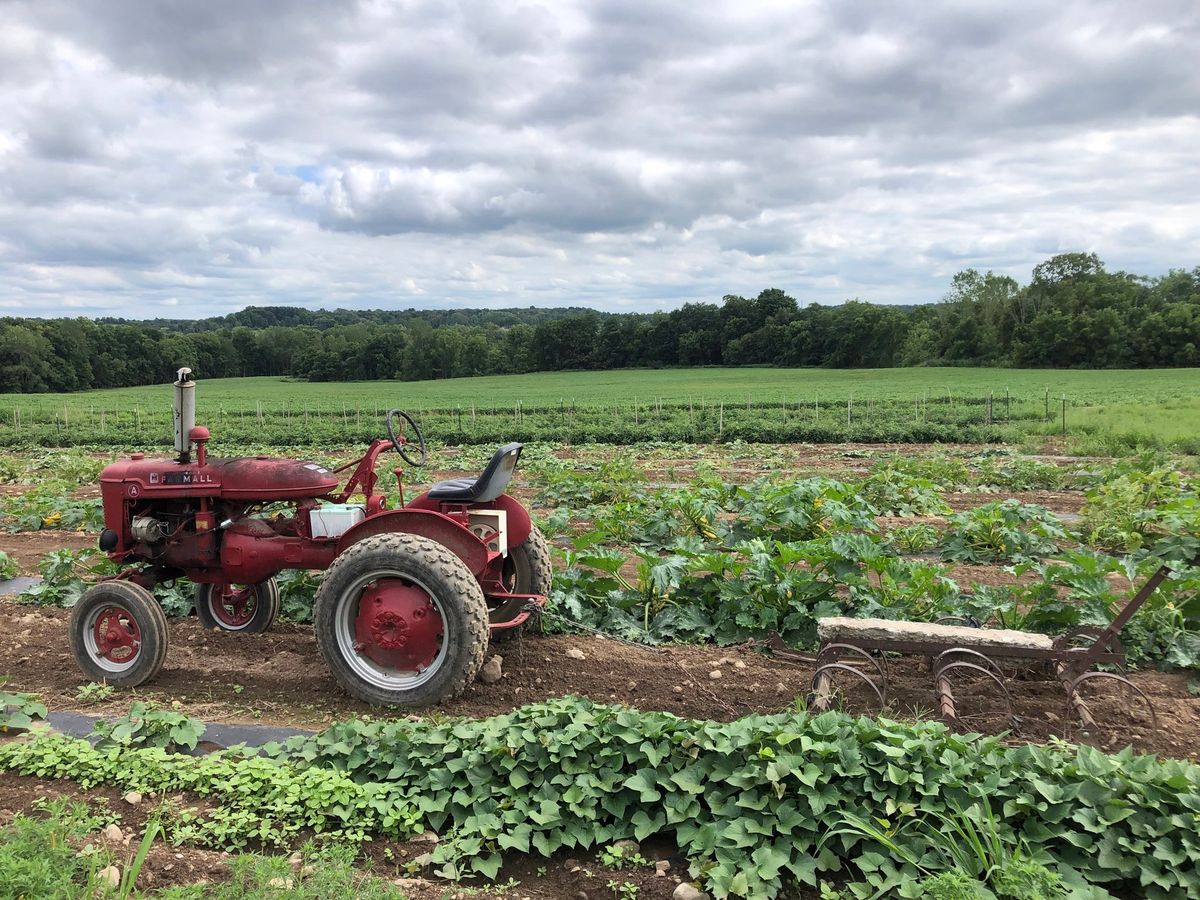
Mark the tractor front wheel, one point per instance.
(401, 621)
(118, 633)
(248, 608)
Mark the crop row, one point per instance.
(55, 476)
(729, 562)
(788, 552)
(914, 420)
(712, 561)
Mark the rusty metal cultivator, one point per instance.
(855, 652)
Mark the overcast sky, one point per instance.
(185, 159)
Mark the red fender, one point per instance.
(426, 523)
(519, 523)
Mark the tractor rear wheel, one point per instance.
(248, 608)
(527, 570)
(401, 621)
(118, 633)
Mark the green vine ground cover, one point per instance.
(756, 805)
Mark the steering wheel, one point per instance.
(399, 443)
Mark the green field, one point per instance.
(913, 404)
(668, 385)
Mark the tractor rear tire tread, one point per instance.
(151, 622)
(461, 597)
(266, 609)
(537, 552)
(539, 571)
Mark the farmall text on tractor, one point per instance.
(410, 595)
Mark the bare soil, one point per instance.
(1060, 502)
(28, 547)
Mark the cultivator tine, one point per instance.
(1077, 704)
(965, 660)
(945, 697)
(821, 693)
(966, 654)
(838, 651)
(822, 685)
(822, 682)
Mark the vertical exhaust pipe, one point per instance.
(185, 412)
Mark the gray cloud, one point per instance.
(217, 41)
(614, 153)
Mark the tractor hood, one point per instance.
(262, 478)
(246, 478)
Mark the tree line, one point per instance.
(1072, 313)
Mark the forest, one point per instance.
(1073, 313)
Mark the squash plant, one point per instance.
(19, 710)
(1006, 530)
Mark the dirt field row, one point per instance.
(279, 678)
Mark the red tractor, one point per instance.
(409, 598)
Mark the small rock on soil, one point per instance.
(109, 875)
(492, 670)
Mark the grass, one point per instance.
(1122, 426)
(326, 873)
(38, 855)
(54, 854)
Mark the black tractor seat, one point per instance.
(488, 486)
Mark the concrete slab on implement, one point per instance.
(938, 637)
